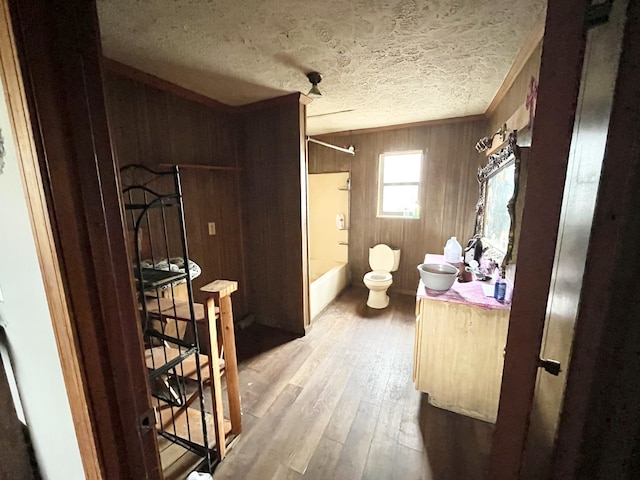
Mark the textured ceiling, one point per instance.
(384, 62)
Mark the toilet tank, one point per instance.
(396, 259)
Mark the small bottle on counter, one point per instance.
(500, 289)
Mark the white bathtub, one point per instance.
(327, 279)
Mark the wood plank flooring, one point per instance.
(340, 403)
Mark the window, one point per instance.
(399, 184)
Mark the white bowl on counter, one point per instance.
(438, 276)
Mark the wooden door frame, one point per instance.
(600, 419)
(588, 410)
(45, 247)
(54, 90)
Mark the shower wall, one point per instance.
(328, 197)
(328, 238)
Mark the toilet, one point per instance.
(383, 260)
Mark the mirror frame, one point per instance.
(509, 153)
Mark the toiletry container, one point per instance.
(453, 251)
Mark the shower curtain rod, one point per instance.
(350, 150)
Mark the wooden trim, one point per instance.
(531, 43)
(560, 74)
(426, 123)
(145, 78)
(45, 247)
(304, 212)
(201, 167)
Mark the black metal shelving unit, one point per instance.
(155, 219)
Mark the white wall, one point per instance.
(25, 315)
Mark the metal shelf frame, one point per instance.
(154, 214)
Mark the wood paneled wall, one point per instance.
(448, 197)
(275, 205)
(153, 127)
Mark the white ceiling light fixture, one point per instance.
(314, 78)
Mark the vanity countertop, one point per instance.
(468, 293)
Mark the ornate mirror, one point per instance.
(499, 182)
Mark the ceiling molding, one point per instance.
(426, 123)
(533, 41)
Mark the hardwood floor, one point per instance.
(340, 403)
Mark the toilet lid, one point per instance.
(381, 258)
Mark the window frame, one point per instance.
(381, 184)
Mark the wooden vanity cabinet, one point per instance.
(459, 349)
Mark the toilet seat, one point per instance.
(377, 276)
